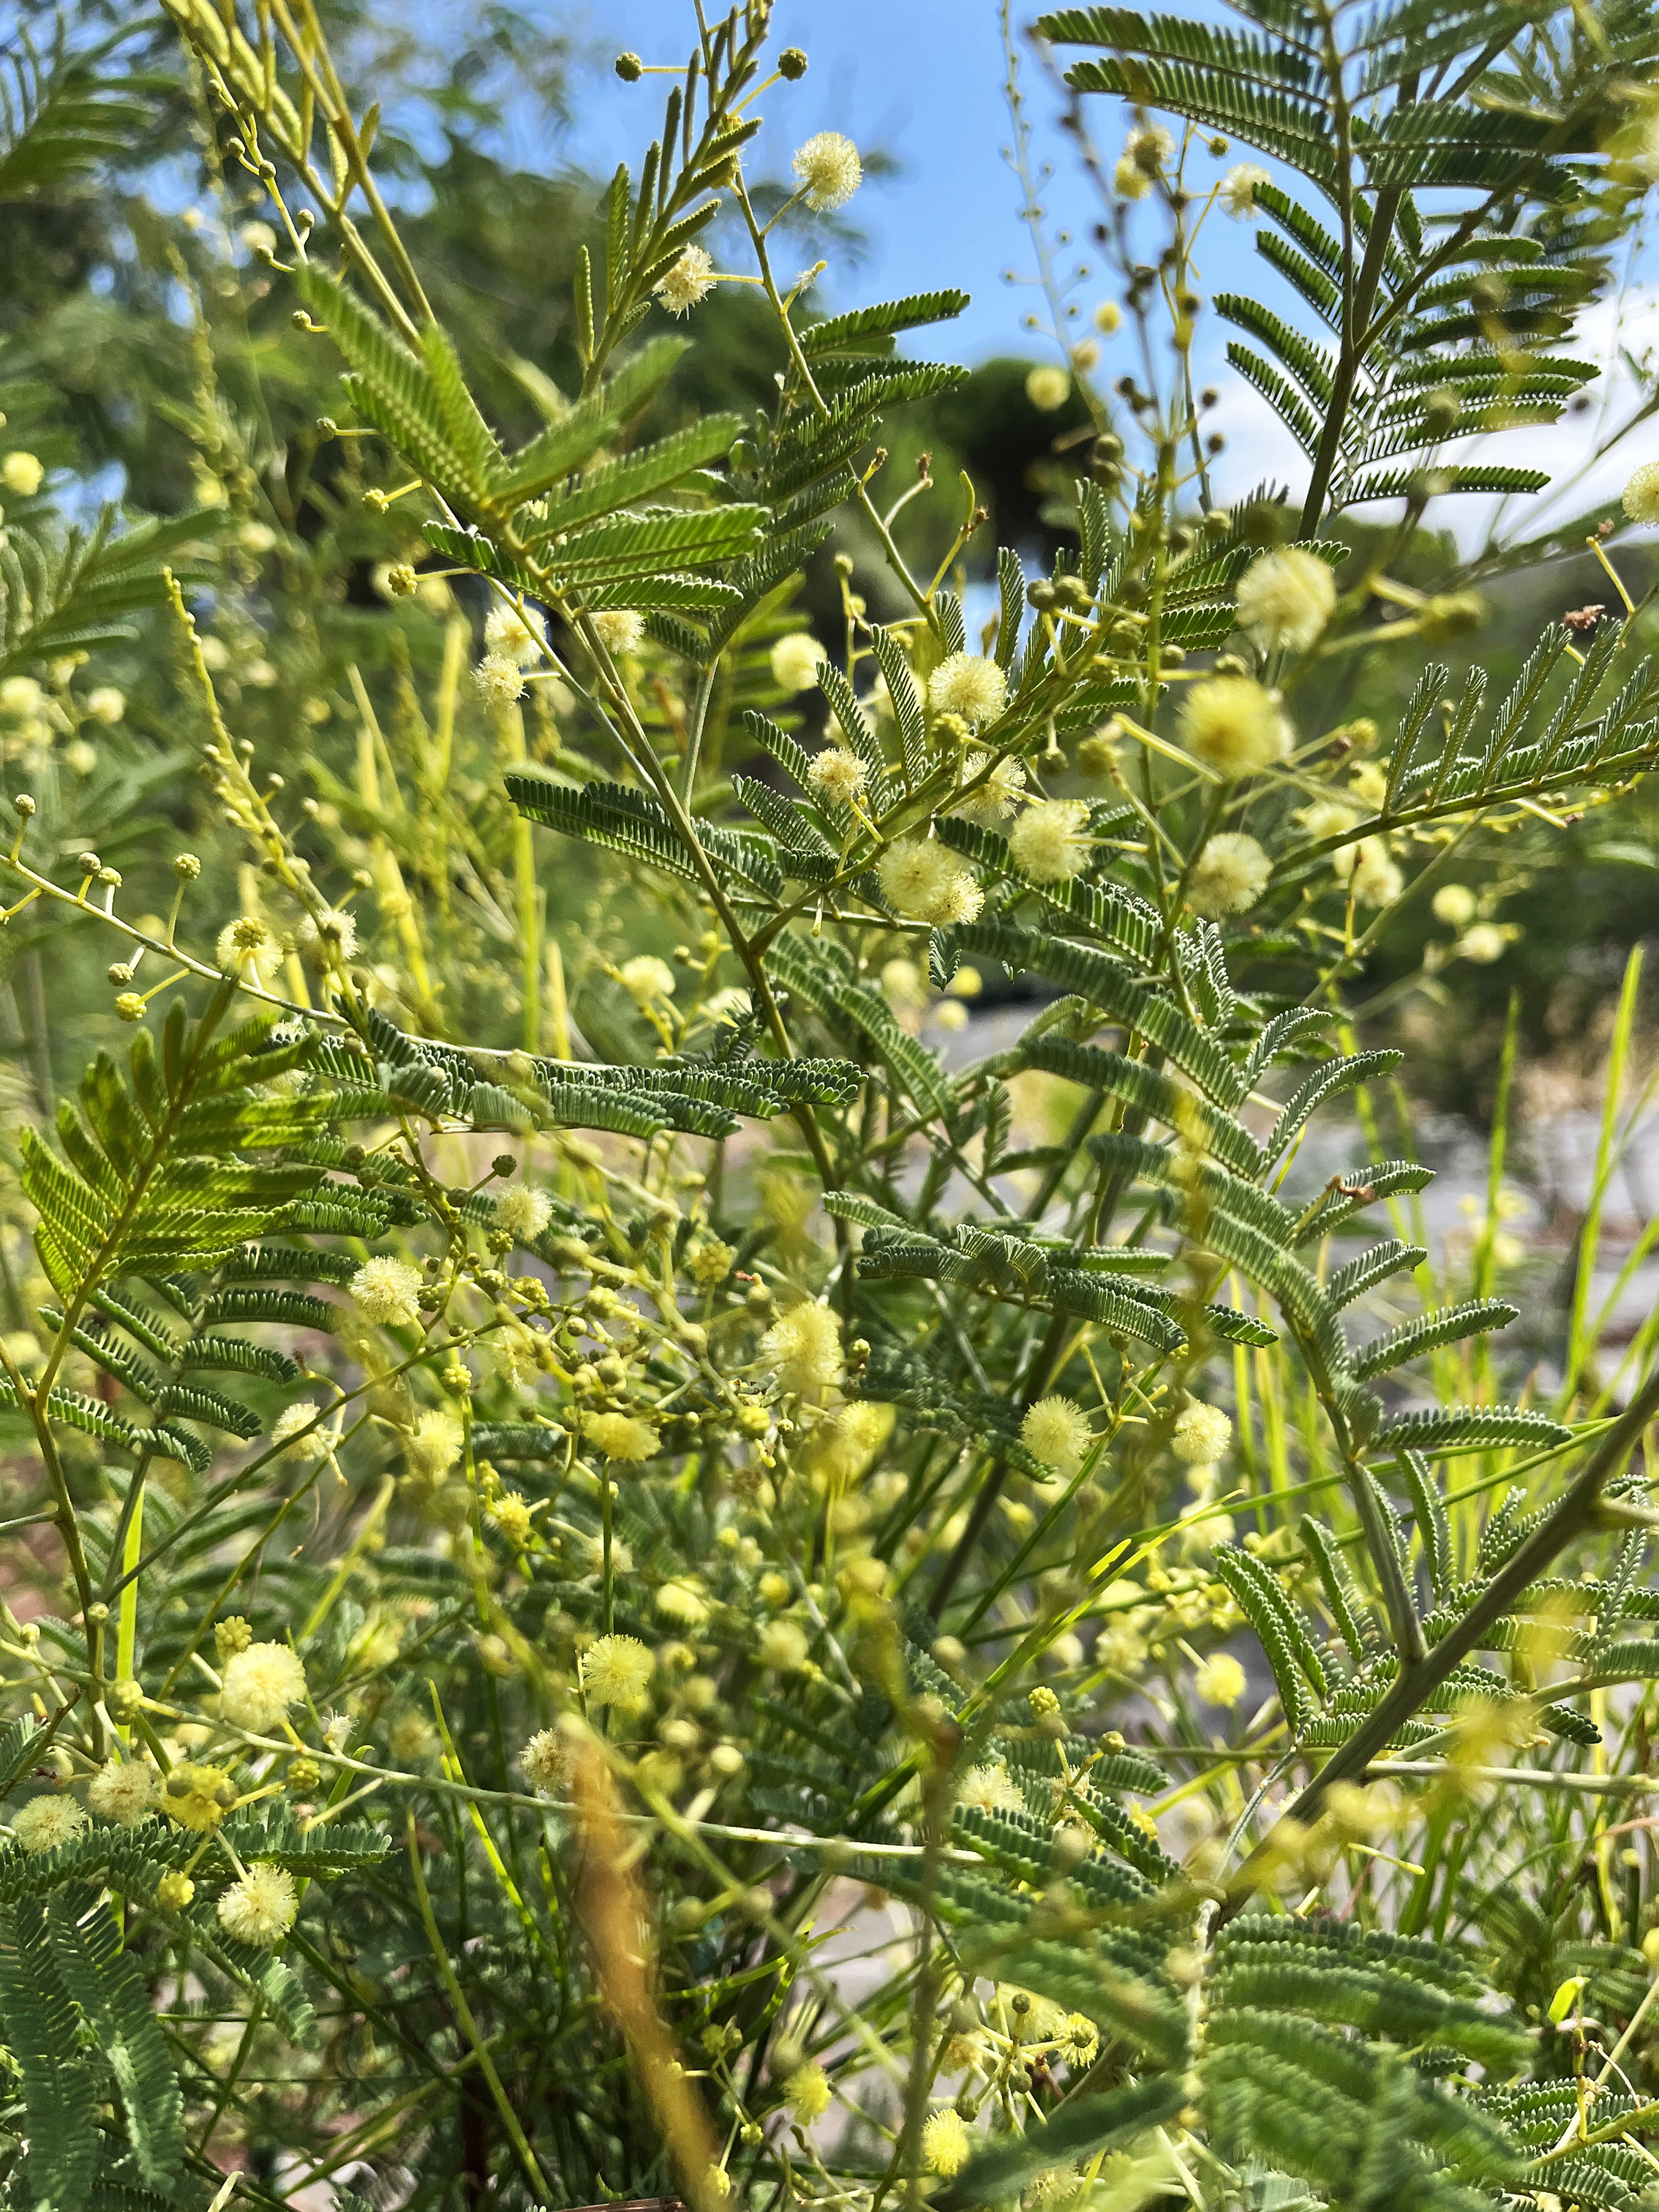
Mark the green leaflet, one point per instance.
(1469, 1428)
(1449, 1325)
(872, 329)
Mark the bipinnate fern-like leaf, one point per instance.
(64, 113)
(78, 592)
(113, 1996)
(59, 2079)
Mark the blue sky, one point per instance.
(922, 82)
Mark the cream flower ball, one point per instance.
(1201, 1434)
(1375, 879)
(1057, 1430)
(1641, 500)
(524, 1212)
(1229, 876)
(1238, 189)
(928, 882)
(500, 679)
(316, 1444)
(688, 283)
(44, 1822)
(1284, 600)
(384, 1290)
(795, 660)
(261, 1907)
(646, 979)
(123, 1790)
(434, 1445)
(545, 1760)
(247, 947)
(994, 799)
(520, 635)
(619, 629)
(260, 1684)
(991, 1789)
(968, 684)
(837, 774)
(827, 170)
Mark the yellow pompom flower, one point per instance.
(1220, 1681)
(1229, 876)
(1050, 840)
(617, 1671)
(783, 1647)
(197, 1795)
(803, 1348)
(806, 2093)
(260, 1684)
(842, 1447)
(1234, 725)
(646, 979)
(434, 1446)
(1057, 1430)
(1284, 600)
(1048, 388)
(620, 1436)
(946, 2145)
(678, 1600)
